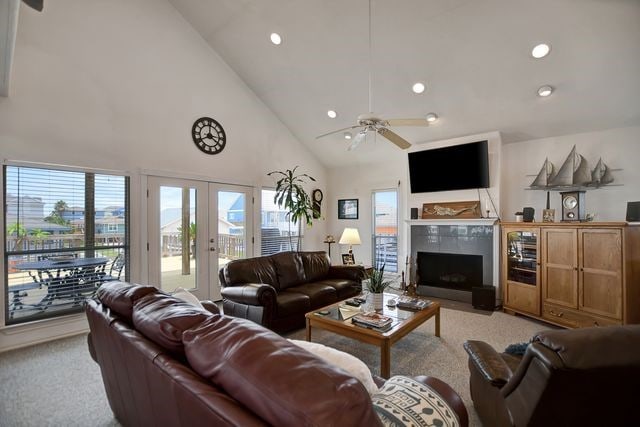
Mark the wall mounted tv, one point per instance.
(457, 167)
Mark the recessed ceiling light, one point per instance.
(332, 114)
(545, 90)
(348, 135)
(275, 38)
(432, 117)
(540, 51)
(418, 87)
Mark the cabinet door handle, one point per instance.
(595, 323)
(556, 314)
(575, 268)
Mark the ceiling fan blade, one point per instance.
(395, 138)
(361, 136)
(35, 4)
(336, 131)
(408, 122)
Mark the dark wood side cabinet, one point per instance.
(572, 275)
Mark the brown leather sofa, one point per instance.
(581, 377)
(166, 362)
(276, 291)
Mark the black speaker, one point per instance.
(528, 214)
(414, 213)
(483, 297)
(633, 211)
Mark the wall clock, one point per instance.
(572, 205)
(208, 135)
(317, 202)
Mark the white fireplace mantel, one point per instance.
(453, 221)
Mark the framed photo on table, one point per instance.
(348, 259)
(348, 209)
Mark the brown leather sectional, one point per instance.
(276, 291)
(166, 362)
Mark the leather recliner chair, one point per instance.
(580, 377)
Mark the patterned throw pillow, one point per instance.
(403, 401)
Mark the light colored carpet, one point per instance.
(422, 353)
(58, 384)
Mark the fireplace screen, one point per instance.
(451, 271)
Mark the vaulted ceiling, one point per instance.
(473, 55)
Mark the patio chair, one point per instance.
(17, 293)
(115, 271)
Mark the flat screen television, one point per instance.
(457, 167)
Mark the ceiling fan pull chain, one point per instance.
(370, 64)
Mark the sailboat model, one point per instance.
(601, 174)
(544, 176)
(574, 172)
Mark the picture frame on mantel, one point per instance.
(459, 210)
(348, 209)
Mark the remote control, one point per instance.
(352, 303)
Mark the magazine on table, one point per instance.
(371, 318)
(412, 303)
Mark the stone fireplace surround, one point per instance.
(465, 237)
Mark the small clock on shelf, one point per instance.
(573, 205)
(317, 202)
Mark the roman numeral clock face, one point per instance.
(208, 135)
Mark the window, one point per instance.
(385, 229)
(66, 233)
(278, 233)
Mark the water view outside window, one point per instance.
(278, 233)
(66, 233)
(385, 229)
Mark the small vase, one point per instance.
(376, 300)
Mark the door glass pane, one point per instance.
(385, 229)
(232, 226)
(522, 257)
(178, 224)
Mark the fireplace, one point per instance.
(451, 271)
(460, 255)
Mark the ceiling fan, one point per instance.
(370, 123)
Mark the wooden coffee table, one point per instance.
(404, 321)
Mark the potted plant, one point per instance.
(291, 195)
(376, 285)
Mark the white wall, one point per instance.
(117, 85)
(619, 149)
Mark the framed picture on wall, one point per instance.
(348, 209)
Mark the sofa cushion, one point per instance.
(163, 318)
(319, 294)
(316, 265)
(404, 401)
(289, 269)
(251, 270)
(120, 297)
(342, 360)
(282, 383)
(290, 303)
(344, 288)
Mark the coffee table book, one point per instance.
(410, 303)
(371, 318)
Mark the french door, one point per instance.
(194, 228)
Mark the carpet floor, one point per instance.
(58, 384)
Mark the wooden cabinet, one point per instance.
(521, 268)
(589, 274)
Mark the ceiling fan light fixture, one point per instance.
(432, 117)
(275, 38)
(332, 114)
(545, 91)
(348, 135)
(541, 50)
(418, 88)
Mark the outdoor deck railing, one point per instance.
(386, 252)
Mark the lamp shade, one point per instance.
(350, 236)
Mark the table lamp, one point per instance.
(350, 236)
